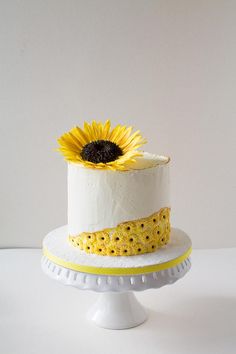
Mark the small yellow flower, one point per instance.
(139, 248)
(154, 218)
(165, 214)
(80, 243)
(112, 251)
(151, 247)
(117, 238)
(127, 228)
(158, 230)
(88, 247)
(100, 250)
(132, 239)
(126, 250)
(142, 225)
(103, 237)
(146, 236)
(99, 146)
(163, 240)
(89, 237)
(76, 241)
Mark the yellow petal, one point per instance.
(89, 131)
(75, 141)
(106, 130)
(96, 128)
(114, 133)
(124, 135)
(80, 135)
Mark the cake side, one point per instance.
(103, 199)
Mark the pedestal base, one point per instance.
(117, 311)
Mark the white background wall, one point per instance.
(167, 67)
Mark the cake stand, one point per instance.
(115, 278)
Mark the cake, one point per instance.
(118, 196)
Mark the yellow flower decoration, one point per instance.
(89, 247)
(112, 251)
(151, 247)
(125, 250)
(103, 237)
(100, 250)
(117, 238)
(99, 146)
(88, 237)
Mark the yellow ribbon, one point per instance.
(117, 271)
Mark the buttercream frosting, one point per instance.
(99, 199)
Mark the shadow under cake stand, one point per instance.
(115, 277)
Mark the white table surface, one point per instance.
(195, 315)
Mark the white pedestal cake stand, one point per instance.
(115, 277)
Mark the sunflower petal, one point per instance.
(124, 135)
(115, 133)
(134, 139)
(106, 130)
(75, 140)
(95, 127)
(80, 135)
(89, 131)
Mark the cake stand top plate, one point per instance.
(57, 249)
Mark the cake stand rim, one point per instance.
(119, 271)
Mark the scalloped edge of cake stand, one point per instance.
(109, 283)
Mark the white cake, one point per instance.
(118, 197)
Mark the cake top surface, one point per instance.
(148, 160)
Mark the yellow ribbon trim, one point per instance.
(117, 271)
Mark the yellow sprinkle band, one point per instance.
(130, 238)
(117, 271)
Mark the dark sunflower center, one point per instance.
(101, 151)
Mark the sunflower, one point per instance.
(99, 146)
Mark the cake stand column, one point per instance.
(117, 310)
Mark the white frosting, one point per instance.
(98, 199)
